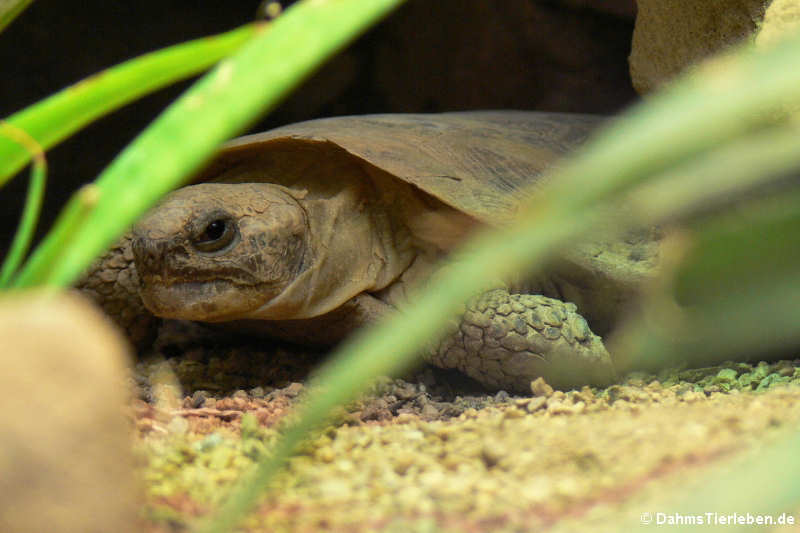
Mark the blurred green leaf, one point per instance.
(763, 482)
(27, 225)
(734, 295)
(55, 118)
(33, 204)
(10, 9)
(755, 243)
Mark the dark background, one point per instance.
(430, 55)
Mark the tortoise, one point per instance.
(310, 231)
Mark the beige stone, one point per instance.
(782, 17)
(65, 445)
(671, 35)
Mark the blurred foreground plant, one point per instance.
(10, 9)
(33, 204)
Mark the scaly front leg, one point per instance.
(507, 340)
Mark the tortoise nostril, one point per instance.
(147, 253)
(138, 248)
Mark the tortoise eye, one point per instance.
(214, 230)
(216, 235)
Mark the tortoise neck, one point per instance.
(354, 245)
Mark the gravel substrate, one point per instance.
(434, 451)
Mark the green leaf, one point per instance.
(55, 118)
(734, 295)
(27, 226)
(10, 9)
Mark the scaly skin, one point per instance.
(112, 283)
(507, 340)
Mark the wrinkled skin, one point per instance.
(216, 252)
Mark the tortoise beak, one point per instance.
(175, 282)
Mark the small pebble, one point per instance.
(405, 418)
(501, 396)
(429, 411)
(490, 455)
(402, 463)
(325, 454)
(692, 396)
(535, 404)
(178, 426)
(293, 390)
(513, 412)
(539, 387)
(199, 398)
(210, 403)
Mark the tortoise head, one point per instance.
(217, 251)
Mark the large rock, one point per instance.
(671, 35)
(782, 17)
(65, 445)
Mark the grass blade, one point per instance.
(10, 9)
(734, 295)
(33, 204)
(55, 118)
(762, 482)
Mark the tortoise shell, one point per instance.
(481, 163)
(478, 162)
